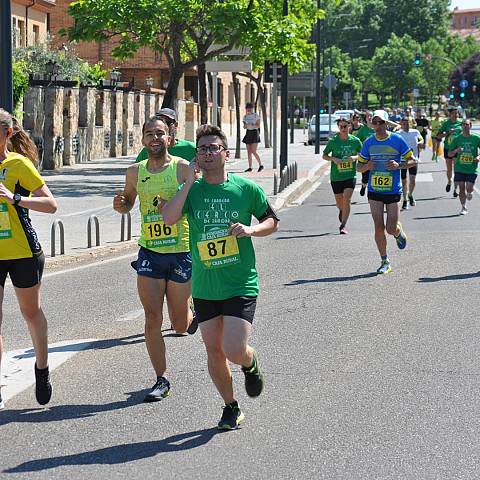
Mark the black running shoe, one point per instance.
(455, 193)
(43, 387)
(362, 190)
(232, 416)
(253, 378)
(248, 169)
(405, 205)
(412, 200)
(193, 327)
(159, 391)
(448, 187)
(260, 168)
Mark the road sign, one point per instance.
(330, 81)
(301, 85)
(464, 83)
(229, 66)
(269, 72)
(416, 92)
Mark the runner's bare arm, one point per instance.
(41, 201)
(266, 227)
(123, 201)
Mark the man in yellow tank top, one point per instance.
(164, 264)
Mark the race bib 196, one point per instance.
(218, 250)
(381, 181)
(157, 233)
(5, 227)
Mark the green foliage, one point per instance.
(20, 82)
(35, 57)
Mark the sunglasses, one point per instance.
(378, 122)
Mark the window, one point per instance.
(36, 34)
(21, 34)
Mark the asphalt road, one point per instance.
(367, 376)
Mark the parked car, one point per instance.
(344, 113)
(325, 132)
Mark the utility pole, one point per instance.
(6, 86)
(318, 87)
(284, 108)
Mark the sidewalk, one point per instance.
(88, 189)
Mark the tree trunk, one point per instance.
(171, 92)
(202, 93)
(236, 94)
(263, 106)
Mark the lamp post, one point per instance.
(284, 108)
(6, 85)
(318, 88)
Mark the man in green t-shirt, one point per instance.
(219, 208)
(178, 148)
(449, 129)
(344, 150)
(465, 148)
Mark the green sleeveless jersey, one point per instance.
(155, 234)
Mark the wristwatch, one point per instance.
(16, 198)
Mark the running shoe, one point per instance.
(253, 378)
(160, 390)
(260, 168)
(464, 210)
(362, 190)
(343, 230)
(411, 200)
(448, 187)
(193, 327)
(469, 196)
(401, 238)
(43, 387)
(2, 405)
(405, 205)
(384, 268)
(455, 193)
(248, 170)
(232, 416)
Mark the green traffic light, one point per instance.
(462, 94)
(418, 59)
(452, 95)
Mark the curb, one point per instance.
(299, 187)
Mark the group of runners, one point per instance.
(196, 249)
(385, 149)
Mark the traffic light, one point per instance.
(322, 110)
(462, 94)
(418, 59)
(452, 93)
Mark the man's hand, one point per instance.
(239, 230)
(6, 194)
(392, 165)
(193, 172)
(120, 202)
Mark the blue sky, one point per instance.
(462, 4)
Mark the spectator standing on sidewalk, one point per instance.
(251, 122)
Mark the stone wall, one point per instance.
(78, 125)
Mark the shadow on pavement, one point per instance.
(460, 276)
(75, 189)
(119, 454)
(58, 413)
(331, 279)
(437, 216)
(303, 236)
(95, 345)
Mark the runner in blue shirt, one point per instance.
(384, 155)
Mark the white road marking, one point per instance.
(94, 264)
(82, 212)
(132, 316)
(18, 365)
(424, 177)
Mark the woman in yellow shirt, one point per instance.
(21, 257)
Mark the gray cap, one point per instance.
(167, 112)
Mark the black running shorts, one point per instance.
(240, 307)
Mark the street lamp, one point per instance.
(149, 82)
(115, 77)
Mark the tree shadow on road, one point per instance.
(59, 413)
(461, 276)
(303, 236)
(331, 279)
(119, 454)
